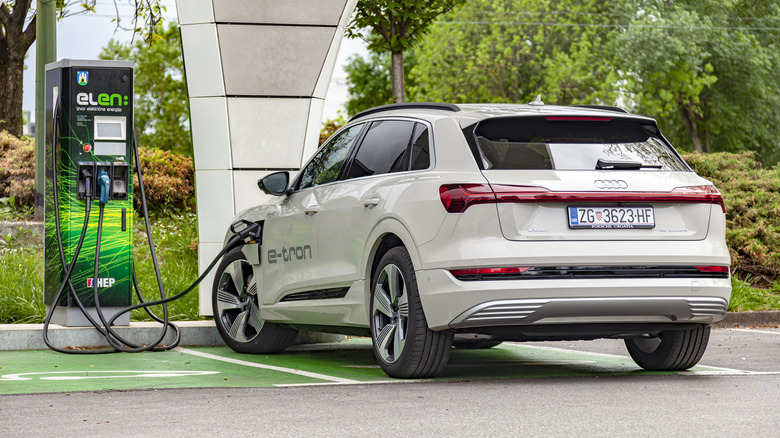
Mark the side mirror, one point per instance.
(275, 183)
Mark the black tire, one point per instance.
(671, 350)
(472, 342)
(235, 305)
(404, 346)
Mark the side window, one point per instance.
(421, 156)
(326, 164)
(383, 150)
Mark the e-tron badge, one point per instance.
(613, 184)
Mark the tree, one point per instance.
(369, 80)
(161, 105)
(17, 33)
(397, 27)
(707, 72)
(705, 69)
(510, 51)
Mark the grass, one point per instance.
(745, 297)
(175, 240)
(175, 236)
(21, 285)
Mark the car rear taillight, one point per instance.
(456, 198)
(724, 269)
(705, 194)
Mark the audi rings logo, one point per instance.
(610, 184)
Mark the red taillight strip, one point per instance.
(580, 118)
(488, 271)
(456, 198)
(508, 195)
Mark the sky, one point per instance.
(83, 36)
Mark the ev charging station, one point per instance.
(243, 58)
(89, 160)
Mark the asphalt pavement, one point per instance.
(586, 388)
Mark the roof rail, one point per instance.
(409, 105)
(605, 108)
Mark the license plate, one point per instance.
(611, 217)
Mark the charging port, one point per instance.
(120, 181)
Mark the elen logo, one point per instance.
(103, 99)
(102, 282)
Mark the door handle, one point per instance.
(371, 202)
(311, 210)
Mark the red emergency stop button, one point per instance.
(87, 147)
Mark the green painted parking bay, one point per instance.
(348, 362)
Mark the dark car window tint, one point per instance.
(421, 157)
(538, 143)
(383, 149)
(326, 164)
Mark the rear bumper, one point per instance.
(453, 304)
(706, 310)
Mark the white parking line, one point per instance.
(711, 370)
(332, 379)
(756, 331)
(356, 382)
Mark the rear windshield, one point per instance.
(597, 143)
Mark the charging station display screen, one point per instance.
(110, 128)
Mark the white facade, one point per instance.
(257, 74)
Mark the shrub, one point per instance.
(169, 181)
(17, 171)
(752, 197)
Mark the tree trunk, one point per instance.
(689, 119)
(14, 42)
(399, 94)
(11, 94)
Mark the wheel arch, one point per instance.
(388, 234)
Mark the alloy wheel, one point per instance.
(237, 306)
(390, 313)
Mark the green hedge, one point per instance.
(752, 197)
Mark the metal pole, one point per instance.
(45, 52)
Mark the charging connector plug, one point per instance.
(104, 186)
(247, 231)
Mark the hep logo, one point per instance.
(101, 282)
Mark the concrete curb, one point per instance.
(750, 319)
(193, 333)
(204, 333)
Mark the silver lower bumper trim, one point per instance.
(705, 310)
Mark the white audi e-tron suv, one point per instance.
(428, 225)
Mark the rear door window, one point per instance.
(566, 143)
(420, 149)
(384, 149)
